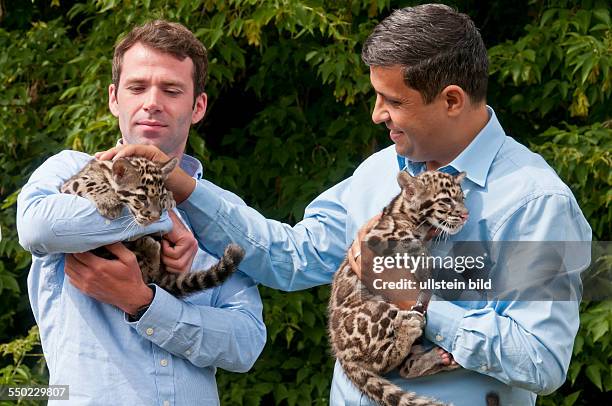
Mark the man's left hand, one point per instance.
(356, 257)
(117, 282)
(179, 246)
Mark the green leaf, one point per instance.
(516, 72)
(602, 14)
(586, 69)
(571, 399)
(302, 374)
(578, 344)
(547, 15)
(530, 55)
(599, 330)
(310, 55)
(197, 144)
(594, 375)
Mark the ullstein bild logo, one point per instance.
(477, 270)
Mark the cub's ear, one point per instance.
(122, 168)
(167, 167)
(459, 177)
(408, 183)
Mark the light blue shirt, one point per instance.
(168, 357)
(516, 349)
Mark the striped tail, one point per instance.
(190, 282)
(381, 390)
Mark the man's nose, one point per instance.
(152, 103)
(380, 113)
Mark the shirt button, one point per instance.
(188, 352)
(166, 403)
(164, 362)
(439, 337)
(107, 222)
(149, 331)
(484, 368)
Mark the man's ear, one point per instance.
(112, 100)
(199, 108)
(455, 99)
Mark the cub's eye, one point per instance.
(446, 200)
(142, 198)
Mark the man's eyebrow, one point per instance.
(163, 82)
(388, 97)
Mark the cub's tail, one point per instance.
(381, 390)
(191, 282)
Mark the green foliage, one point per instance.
(298, 366)
(583, 157)
(19, 373)
(289, 116)
(562, 65)
(557, 79)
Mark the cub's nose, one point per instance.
(464, 215)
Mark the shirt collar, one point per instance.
(192, 166)
(475, 160)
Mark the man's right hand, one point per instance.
(354, 251)
(121, 151)
(179, 182)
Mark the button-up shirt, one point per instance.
(516, 349)
(170, 355)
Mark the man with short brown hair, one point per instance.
(113, 339)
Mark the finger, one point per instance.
(71, 265)
(121, 252)
(168, 251)
(148, 151)
(81, 259)
(185, 248)
(75, 270)
(178, 228)
(108, 154)
(180, 264)
(353, 258)
(371, 223)
(174, 270)
(127, 150)
(174, 266)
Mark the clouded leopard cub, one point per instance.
(370, 336)
(138, 183)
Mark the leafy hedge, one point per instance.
(289, 116)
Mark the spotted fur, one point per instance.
(138, 184)
(371, 337)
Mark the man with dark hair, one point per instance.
(106, 334)
(428, 67)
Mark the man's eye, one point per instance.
(394, 103)
(135, 89)
(173, 92)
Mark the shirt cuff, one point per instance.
(158, 322)
(204, 201)
(443, 319)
